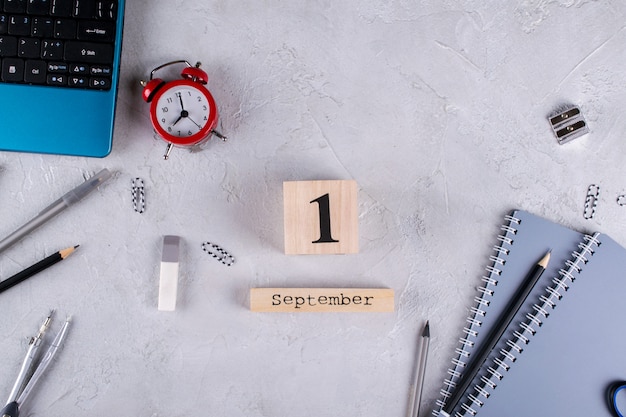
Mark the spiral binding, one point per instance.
(528, 328)
(490, 281)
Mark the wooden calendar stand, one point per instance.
(321, 217)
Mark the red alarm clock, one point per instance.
(183, 111)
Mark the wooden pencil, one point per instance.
(36, 268)
(477, 358)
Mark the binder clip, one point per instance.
(568, 124)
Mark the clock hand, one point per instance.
(192, 121)
(183, 113)
(180, 98)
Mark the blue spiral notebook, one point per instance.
(566, 345)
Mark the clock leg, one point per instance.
(167, 151)
(219, 135)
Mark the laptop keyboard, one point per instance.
(63, 43)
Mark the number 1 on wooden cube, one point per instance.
(321, 217)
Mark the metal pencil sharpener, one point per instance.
(568, 124)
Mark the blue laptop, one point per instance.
(59, 72)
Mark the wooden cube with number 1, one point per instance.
(321, 217)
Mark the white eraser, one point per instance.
(168, 282)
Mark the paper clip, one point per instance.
(138, 195)
(591, 201)
(568, 124)
(218, 253)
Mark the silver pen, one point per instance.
(55, 208)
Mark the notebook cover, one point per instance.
(578, 352)
(524, 241)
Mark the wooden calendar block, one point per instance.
(321, 217)
(321, 300)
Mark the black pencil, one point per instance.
(495, 334)
(38, 267)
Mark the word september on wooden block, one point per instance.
(321, 300)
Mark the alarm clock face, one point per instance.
(183, 112)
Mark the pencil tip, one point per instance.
(544, 261)
(426, 332)
(67, 252)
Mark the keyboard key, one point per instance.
(38, 7)
(4, 24)
(91, 53)
(35, 72)
(51, 49)
(100, 83)
(100, 70)
(15, 6)
(58, 67)
(43, 27)
(84, 9)
(56, 79)
(8, 46)
(19, 25)
(12, 70)
(79, 69)
(61, 8)
(28, 48)
(94, 30)
(65, 29)
(107, 9)
(76, 81)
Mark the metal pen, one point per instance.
(55, 208)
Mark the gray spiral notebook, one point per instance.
(566, 345)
